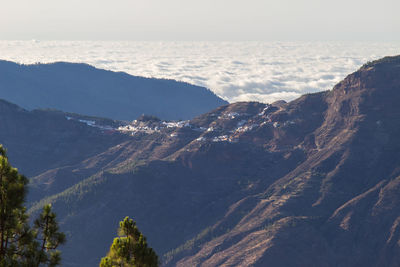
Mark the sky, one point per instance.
(200, 20)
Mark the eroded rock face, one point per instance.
(338, 207)
(312, 182)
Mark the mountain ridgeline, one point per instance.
(83, 89)
(312, 182)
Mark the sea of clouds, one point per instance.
(236, 71)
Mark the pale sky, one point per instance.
(208, 20)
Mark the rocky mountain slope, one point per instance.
(313, 182)
(42, 139)
(83, 89)
(339, 206)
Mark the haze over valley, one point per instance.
(236, 71)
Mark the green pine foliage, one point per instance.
(130, 249)
(20, 244)
(47, 233)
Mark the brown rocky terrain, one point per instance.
(338, 207)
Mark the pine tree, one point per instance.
(130, 249)
(21, 245)
(47, 233)
(15, 235)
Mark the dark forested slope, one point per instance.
(83, 89)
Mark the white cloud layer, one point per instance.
(236, 71)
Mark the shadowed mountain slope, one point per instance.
(41, 139)
(313, 182)
(83, 89)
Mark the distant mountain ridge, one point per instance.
(83, 89)
(312, 182)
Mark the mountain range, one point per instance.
(84, 89)
(312, 182)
